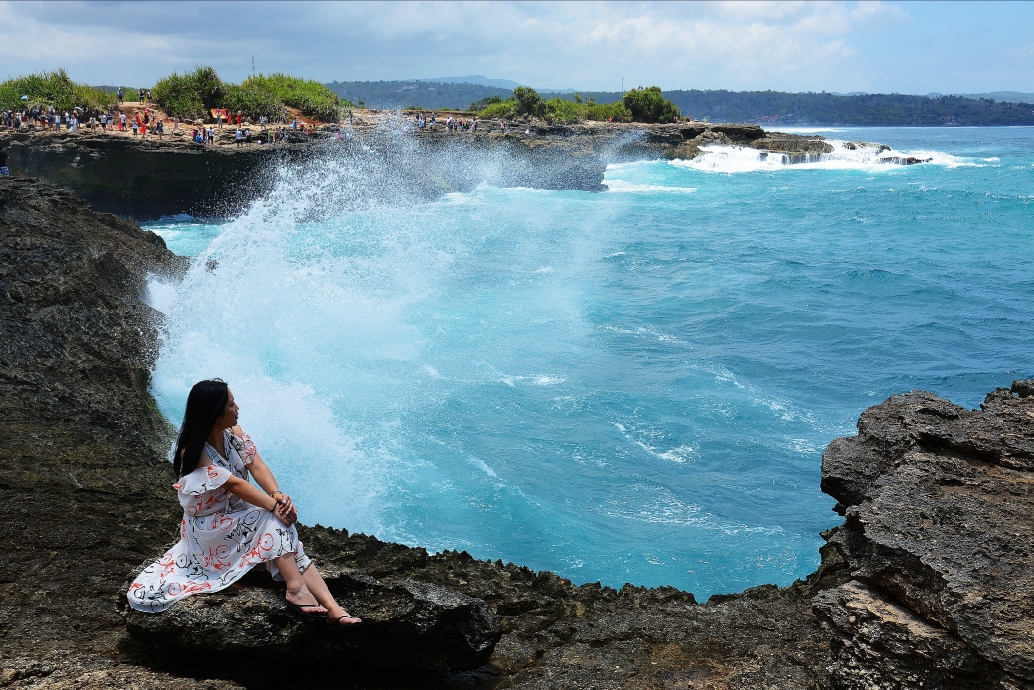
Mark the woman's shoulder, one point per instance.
(242, 443)
(202, 480)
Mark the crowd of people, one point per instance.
(452, 124)
(144, 121)
(140, 123)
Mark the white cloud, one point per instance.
(588, 45)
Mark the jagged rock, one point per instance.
(937, 537)
(903, 160)
(938, 503)
(877, 643)
(149, 178)
(855, 145)
(793, 144)
(407, 624)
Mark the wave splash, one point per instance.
(844, 156)
(287, 301)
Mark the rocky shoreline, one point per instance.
(150, 178)
(924, 586)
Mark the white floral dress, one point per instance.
(221, 536)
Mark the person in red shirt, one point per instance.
(238, 118)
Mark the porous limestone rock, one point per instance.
(406, 624)
(938, 503)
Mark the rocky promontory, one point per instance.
(925, 585)
(147, 178)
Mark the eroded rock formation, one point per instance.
(926, 585)
(147, 179)
(939, 539)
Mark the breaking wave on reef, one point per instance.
(630, 386)
(844, 156)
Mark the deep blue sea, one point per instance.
(628, 386)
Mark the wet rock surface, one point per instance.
(925, 584)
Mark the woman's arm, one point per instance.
(245, 490)
(259, 470)
(264, 477)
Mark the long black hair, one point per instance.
(205, 405)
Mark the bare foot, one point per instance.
(338, 617)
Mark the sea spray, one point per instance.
(630, 386)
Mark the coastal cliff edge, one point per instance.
(923, 586)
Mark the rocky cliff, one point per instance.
(926, 585)
(150, 178)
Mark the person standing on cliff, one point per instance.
(121, 98)
(229, 526)
(4, 172)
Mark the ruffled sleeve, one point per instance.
(244, 446)
(202, 480)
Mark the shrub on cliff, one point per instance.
(650, 105)
(484, 103)
(189, 95)
(504, 109)
(563, 110)
(529, 102)
(193, 95)
(525, 101)
(53, 88)
(607, 112)
(311, 97)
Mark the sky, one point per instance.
(905, 47)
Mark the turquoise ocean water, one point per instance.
(629, 386)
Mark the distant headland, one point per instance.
(761, 107)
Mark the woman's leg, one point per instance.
(315, 584)
(297, 592)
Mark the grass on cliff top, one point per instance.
(193, 94)
(311, 97)
(53, 88)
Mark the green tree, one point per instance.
(650, 105)
(529, 102)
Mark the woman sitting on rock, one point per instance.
(229, 526)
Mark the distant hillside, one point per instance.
(1008, 96)
(873, 110)
(477, 79)
(427, 95)
(864, 110)
(769, 107)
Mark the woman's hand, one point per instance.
(285, 510)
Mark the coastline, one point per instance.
(73, 442)
(150, 178)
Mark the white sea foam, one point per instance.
(739, 159)
(621, 186)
